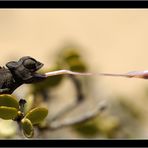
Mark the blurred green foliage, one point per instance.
(122, 121)
(70, 58)
(88, 129)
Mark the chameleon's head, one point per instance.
(25, 68)
(27, 63)
(31, 64)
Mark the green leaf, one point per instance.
(37, 115)
(27, 128)
(77, 65)
(8, 113)
(9, 101)
(70, 54)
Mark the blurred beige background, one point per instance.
(112, 40)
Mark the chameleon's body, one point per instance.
(24, 72)
(7, 83)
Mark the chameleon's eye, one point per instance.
(30, 64)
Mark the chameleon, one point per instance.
(19, 72)
(24, 71)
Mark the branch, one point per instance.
(78, 87)
(72, 121)
(80, 98)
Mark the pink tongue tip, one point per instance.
(138, 74)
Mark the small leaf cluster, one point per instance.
(70, 58)
(12, 109)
